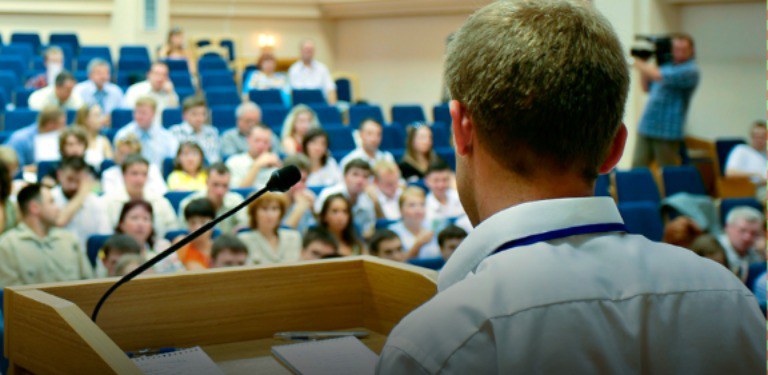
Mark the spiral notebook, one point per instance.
(191, 361)
(346, 355)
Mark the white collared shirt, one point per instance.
(359, 153)
(91, 219)
(315, 76)
(438, 214)
(610, 303)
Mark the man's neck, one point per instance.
(307, 63)
(196, 129)
(371, 153)
(135, 195)
(37, 226)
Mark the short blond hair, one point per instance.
(544, 82)
(148, 101)
(383, 166)
(411, 192)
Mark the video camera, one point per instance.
(647, 46)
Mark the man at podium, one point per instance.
(549, 281)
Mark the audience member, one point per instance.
(267, 242)
(35, 251)
(175, 49)
(265, 77)
(310, 74)
(749, 160)
(449, 240)
(136, 218)
(336, 217)
(97, 90)
(235, 141)
(228, 251)
(418, 237)
(195, 129)
(387, 190)
(253, 168)
(81, 211)
(218, 193)
(72, 143)
(743, 226)
(356, 176)
(113, 250)
(300, 120)
(157, 86)
(89, 118)
(370, 140)
(324, 170)
(197, 254)
(45, 133)
(670, 87)
(319, 243)
(53, 60)
(443, 202)
(11, 161)
(300, 215)
(112, 177)
(681, 231)
(419, 153)
(386, 244)
(157, 144)
(9, 217)
(135, 169)
(129, 263)
(59, 94)
(188, 169)
(708, 246)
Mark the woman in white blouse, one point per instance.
(324, 170)
(268, 243)
(91, 119)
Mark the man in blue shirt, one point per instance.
(670, 87)
(157, 144)
(50, 119)
(98, 89)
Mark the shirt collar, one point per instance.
(521, 221)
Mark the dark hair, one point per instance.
(410, 152)
(348, 234)
(63, 77)
(201, 207)
(319, 234)
(369, 119)
(228, 242)
(75, 163)
(309, 136)
(359, 164)
(192, 102)
(130, 205)
(438, 166)
(6, 183)
(380, 236)
(28, 194)
(450, 232)
(75, 131)
(133, 159)
(218, 167)
(121, 243)
(194, 146)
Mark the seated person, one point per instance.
(449, 240)
(136, 221)
(419, 153)
(443, 202)
(743, 226)
(319, 244)
(112, 177)
(386, 244)
(35, 251)
(296, 125)
(265, 78)
(370, 139)
(310, 74)
(72, 144)
(708, 246)
(387, 189)
(218, 193)
(53, 60)
(90, 119)
(300, 199)
(324, 170)
(235, 141)
(417, 236)
(50, 122)
(157, 86)
(254, 167)
(9, 216)
(128, 263)
(114, 248)
(98, 90)
(175, 49)
(135, 170)
(197, 254)
(337, 218)
(681, 231)
(188, 171)
(267, 242)
(58, 95)
(356, 176)
(228, 251)
(195, 128)
(157, 144)
(749, 160)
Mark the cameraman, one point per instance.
(670, 87)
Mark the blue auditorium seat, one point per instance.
(636, 185)
(441, 135)
(250, 68)
(603, 185)
(31, 39)
(185, 92)
(223, 118)
(682, 179)
(89, 52)
(723, 148)
(393, 138)
(217, 79)
(133, 64)
(274, 116)
(727, 204)
(181, 79)
(440, 113)
(24, 51)
(431, 263)
(327, 115)
(135, 51)
(244, 192)
(175, 198)
(308, 97)
(69, 39)
(340, 139)
(229, 44)
(358, 113)
(215, 62)
(8, 81)
(266, 97)
(408, 113)
(175, 65)
(172, 116)
(93, 245)
(44, 168)
(106, 164)
(167, 168)
(19, 118)
(344, 89)
(14, 64)
(121, 117)
(216, 97)
(643, 217)
(22, 97)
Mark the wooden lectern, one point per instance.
(231, 313)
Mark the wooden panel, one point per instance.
(736, 187)
(44, 331)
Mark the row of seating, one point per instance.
(639, 185)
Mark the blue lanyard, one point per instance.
(561, 233)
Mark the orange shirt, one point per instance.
(194, 258)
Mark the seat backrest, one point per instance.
(393, 138)
(177, 65)
(224, 118)
(222, 97)
(210, 62)
(181, 79)
(440, 113)
(603, 185)
(274, 116)
(643, 218)
(175, 197)
(31, 39)
(8, 81)
(636, 185)
(328, 115)
(682, 179)
(171, 116)
(217, 78)
(431, 263)
(308, 97)
(101, 52)
(359, 113)
(723, 148)
(19, 118)
(65, 38)
(408, 113)
(14, 64)
(340, 139)
(727, 204)
(344, 89)
(266, 97)
(134, 51)
(93, 245)
(121, 117)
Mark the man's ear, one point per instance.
(616, 150)
(462, 126)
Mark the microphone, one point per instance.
(280, 181)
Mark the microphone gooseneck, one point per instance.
(280, 181)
